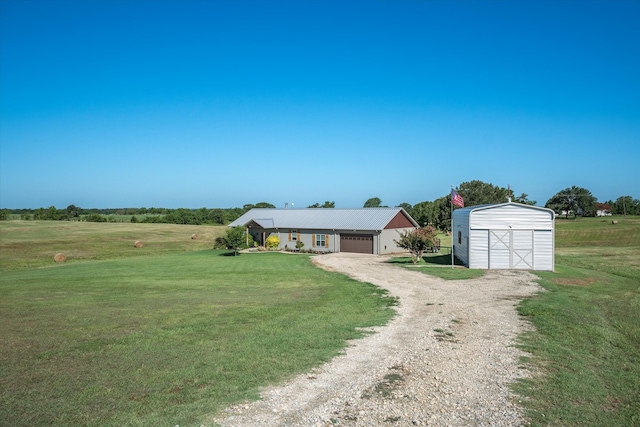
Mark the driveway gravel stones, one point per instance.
(446, 359)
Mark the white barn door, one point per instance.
(499, 248)
(511, 249)
(522, 254)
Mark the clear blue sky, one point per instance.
(221, 103)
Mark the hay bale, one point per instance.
(194, 236)
(137, 244)
(614, 222)
(59, 257)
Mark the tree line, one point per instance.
(215, 216)
(569, 202)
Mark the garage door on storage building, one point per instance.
(359, 243)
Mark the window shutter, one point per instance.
(326, 240)
(313, 240)
(289, 235)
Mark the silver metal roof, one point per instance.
(325, 219)
(498, 205)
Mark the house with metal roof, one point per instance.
(365, 230)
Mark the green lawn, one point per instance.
(586, 347)
(168, 339)
(170, 333)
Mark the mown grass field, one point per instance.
(29, 244)
(586, 347)
(172, 332)
(164, 339)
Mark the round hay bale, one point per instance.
(194, 236)
(59, 257)
(614, 222)
(137, 244)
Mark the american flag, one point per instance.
(457, 199)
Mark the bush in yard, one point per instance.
(220, 243)
(273, 242)
(417, 241)
(299, 245)
(237, 238)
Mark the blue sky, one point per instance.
(222, 103)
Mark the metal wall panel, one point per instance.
(478, 249)
(544, 250)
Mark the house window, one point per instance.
(293, 235)
(459, 237)
(321, 240)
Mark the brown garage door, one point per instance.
(360, 243)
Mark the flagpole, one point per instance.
(452, 226)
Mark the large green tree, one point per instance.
(373, 202)
(479, 193)
(423, 213)
(572, 201)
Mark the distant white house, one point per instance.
(504, 236)
(365, 230)
(602, 209)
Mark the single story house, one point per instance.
(504, 236)
(365, 230)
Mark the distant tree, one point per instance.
(95, 217)
(407, 207)
(235, 238)
(417, 241)
(261, 205)
(572, 200)
(442, 213)
(232, 214)
(523, 198)
(216, 216)
(26, 216)
(625, 205)
(327, 205)
(373, 202)
(202, 216)
(181, 216)
(479, 193)
(72, 213)
(134, 219)
(4, 214)
(423, 213)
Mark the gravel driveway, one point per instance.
(446, 359)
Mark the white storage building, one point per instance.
(504, 236)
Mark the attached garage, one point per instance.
(504, 236)
(363, 230)
(359, 243)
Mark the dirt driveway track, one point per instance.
(445, 360)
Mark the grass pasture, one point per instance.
(29, 244)
(586, 346)
(172, 332)
(167, 339)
